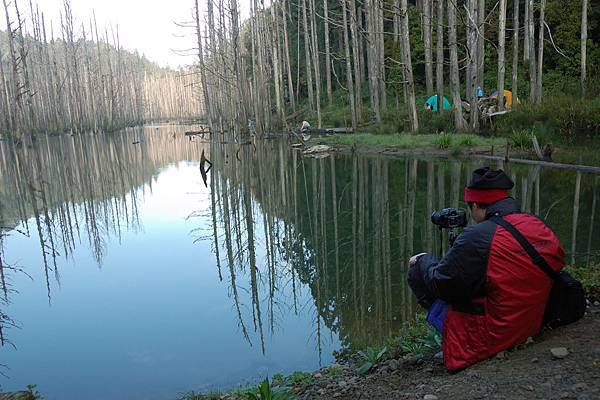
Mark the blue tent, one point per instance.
(432, 102)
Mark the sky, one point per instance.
(146, 25)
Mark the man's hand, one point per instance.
(413, 260)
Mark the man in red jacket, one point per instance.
(494, 292)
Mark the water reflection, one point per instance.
(307, 254)
(345, 225)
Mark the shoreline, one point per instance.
(530, 370)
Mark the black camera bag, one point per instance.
(566, 303)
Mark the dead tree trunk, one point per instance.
(439, 56)
(501, 64)
(427, 11)
(327, 53)
(349, 80)
(454, 69)
(540, 65)
(584, 36)
(408, 72)
(515, 53)
(532, 65)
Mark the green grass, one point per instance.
(406, 141)
(295, 378)
(333, 371)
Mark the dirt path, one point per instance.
(531, 372)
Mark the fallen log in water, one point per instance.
(549, 164)
(199, 132)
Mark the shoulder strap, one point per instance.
(528, 247)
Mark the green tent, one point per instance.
(432, 102)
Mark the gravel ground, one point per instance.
(559, 364)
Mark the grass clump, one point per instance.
(417, 339)
(371, 357)
(522, 139)
(444, 140)
(333, 371)
(264, 391)
(295, 378)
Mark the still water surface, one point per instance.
(140, 281)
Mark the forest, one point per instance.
(372, 65)
(74, 76)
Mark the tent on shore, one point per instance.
(432, 104)
(508, 98)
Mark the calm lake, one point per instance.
(130, 276)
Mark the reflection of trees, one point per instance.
(83, 188)
(344, 227)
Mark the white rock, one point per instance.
(430, 397)
(559, 352)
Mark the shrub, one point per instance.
(521, 139)
(567, 117)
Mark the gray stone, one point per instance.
(430, 397)
(439, 355)
(529, 340)
(501, 355)
(535, 359)
(596, 303)
(393, 364)
(559, 352)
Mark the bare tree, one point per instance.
(427, 11)
(584, 36)
(349, 80)
(515, 53)
(540, 65)
(501, 64)
(454, 68)
(407, 68)
(439, 57)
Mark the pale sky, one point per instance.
(145, 25)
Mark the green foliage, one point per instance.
(295, 378)
(407, 141)
(371, 357)
(444, 140)
(33, 393)
(466, 141)
(264, 391)
(564, 117)
(333, 371)
(521, 139)
(589, 276)
(435, 122)
(418, 338)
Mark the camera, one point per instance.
(450, 218)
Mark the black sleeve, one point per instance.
(460, 275)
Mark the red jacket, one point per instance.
(497, 294)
